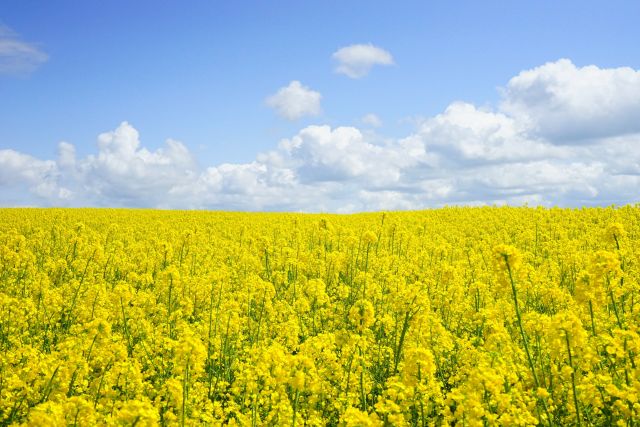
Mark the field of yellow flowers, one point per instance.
(455, 316)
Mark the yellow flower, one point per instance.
(125, 317)
(506, 256)
(615, 233)
(354, 417)
(369, 237)
(298, 380)
(362, 315)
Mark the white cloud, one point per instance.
(464, 133)
(464, 155)
(565, 103)
(295, 101)
(356, 60)
(18, 56)
(125, 173)
(319, 154)
(20, 172)
(372, 120)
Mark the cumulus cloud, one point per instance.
(511, 154)
(295, 101)
(465, 134)
(18, 56)
(322, 154)
(126, 173)
(39, 180)
(356, 60)
(565, 103)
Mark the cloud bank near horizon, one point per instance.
(561, 135)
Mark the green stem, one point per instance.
(573, 379)
(522, 333)
(185, 392)
(295, 408)
(593, 324)
(362, 395)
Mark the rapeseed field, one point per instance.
(454, 316)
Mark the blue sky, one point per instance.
(201, 72)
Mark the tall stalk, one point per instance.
(525, 342)
(573, 379)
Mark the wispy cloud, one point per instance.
(18, 56)
(372, 120)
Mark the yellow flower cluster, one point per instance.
(456, 316)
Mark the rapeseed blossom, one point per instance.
(455, 316)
